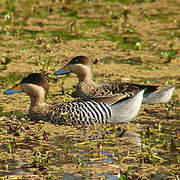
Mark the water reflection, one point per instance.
(129, 142)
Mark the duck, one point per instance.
(82, 66)
(36, 86)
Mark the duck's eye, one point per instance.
(75, 61)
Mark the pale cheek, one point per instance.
(75, 68)
(80, 70)
(28, 90)
(32, 89)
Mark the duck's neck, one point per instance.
(86, 78)
(85, 75)
(37, 101)
(85, 85)
(39, 110)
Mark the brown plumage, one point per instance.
(79, 112)
(87, 88)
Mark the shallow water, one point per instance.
(137, 41)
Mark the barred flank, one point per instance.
(90, 112)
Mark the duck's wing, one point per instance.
(117, 89)
(148, 88)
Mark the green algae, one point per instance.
(123, 34)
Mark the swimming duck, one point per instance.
(83, 112)
(87, 88)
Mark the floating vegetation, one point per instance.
(136, 40)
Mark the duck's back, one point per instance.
(109, 90)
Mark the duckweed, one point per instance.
(135, 40)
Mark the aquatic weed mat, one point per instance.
(137, 41)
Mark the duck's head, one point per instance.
(80, 65)
(35, 85)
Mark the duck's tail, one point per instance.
(126, 109)
(160, 96)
